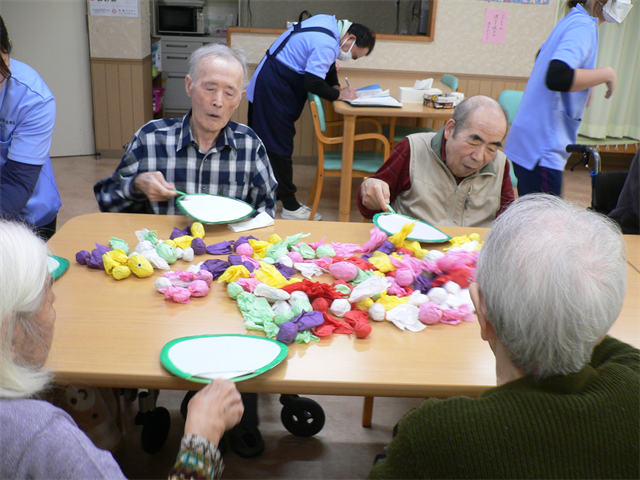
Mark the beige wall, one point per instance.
(457, 47)
(121, 37)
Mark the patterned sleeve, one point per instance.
(198, 458)
(263, 191)
(115, 193)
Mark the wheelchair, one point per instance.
(605, 186)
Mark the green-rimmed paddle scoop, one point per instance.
(392, 223)
(236, 357)
(213, 209)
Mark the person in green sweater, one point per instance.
(550, 282)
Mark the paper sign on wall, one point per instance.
(495, 26)
(114, 8)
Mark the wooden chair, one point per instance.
(365, 162)
(395, 133)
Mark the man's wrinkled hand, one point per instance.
(375, 194)
(154, 186)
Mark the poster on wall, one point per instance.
(114, 8)
(533, 2)
(495, 26)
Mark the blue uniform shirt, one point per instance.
(308, 52)
(547, 121)
(27, 118)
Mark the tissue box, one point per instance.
(410, 95)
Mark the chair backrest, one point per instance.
(510, 101)
(318, 101)
(450, 81)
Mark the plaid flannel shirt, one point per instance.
(236, 166)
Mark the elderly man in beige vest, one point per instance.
(457, 176)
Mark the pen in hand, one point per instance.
(346, 79)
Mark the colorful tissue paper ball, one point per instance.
(167, 252)
(198, 288)
(339, 307)
(244, 249)
(404, 278)
(177, 294)
(438, 295)
(452, 287)
(362, 330)
(82, 256)
(204, 275)
(140, 266)
(188, 254)
(344, 271)
(179, 233)
(198, 246)
(287, 332)
(196, 230)
(234, 289)
(377, 312)
(162, 282)
(121, 272)
(295, 257)
(430, 313)
(298, 295)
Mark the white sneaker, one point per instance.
(302, 213)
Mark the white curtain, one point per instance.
(619, 116)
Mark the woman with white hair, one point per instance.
(39, 440)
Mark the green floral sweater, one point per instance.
(584, 425)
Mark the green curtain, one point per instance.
(619, 47)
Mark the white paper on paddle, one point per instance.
(214, 209)
(261, 220)
(422, 232)
(222, 357)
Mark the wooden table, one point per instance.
(633, 250)
(410, 110)
(109, 333)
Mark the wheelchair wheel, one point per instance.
(155, 430)
(301, 416)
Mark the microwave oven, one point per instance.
(179, 19)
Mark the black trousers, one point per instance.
(283, 171)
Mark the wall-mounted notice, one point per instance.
(495, 26)
(114, 8)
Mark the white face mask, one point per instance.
(345, 56)
(615, 10)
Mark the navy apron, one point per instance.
(279, 98)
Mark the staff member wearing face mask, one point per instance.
(301, 60)
(557, 93)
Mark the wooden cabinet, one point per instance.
(122, 101)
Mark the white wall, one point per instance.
(51, 36)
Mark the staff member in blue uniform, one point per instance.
(557, 93)
(28, 189)
(301, 60)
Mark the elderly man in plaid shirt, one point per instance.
(202, 152)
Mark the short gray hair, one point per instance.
(221, 51)
(553, 277)
(24, 273)
(471, 104)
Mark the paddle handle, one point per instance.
(180, 193)
(390, 209)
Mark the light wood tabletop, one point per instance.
(350, 113)
(110, 333)
(633, 250)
